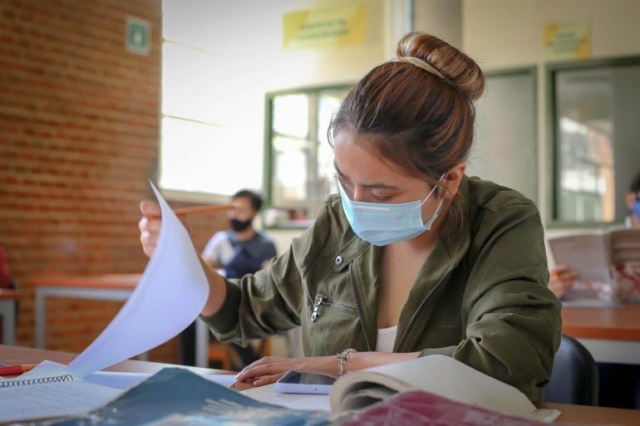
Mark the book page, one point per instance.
(438, 374)
(625, 245)
(587, 253)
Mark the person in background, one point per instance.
(633, 202)
(619, 383)
(563, 276)
(236, 252)
(412, 257)
(242, 249)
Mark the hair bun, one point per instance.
(456, 67)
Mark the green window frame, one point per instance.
(592, 151)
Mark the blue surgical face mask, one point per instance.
(381, 224)
(635, 208)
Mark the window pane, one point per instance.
(291, 115)
(585, 148)
(329, 102)
(301, 170)
(291, 158)
(597, 141)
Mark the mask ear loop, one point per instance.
(435, 214)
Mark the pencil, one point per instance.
(202, 209)
(14, 370)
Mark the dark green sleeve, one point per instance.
(261, 304)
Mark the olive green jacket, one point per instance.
(481, 296)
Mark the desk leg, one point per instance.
(8, 322)
(40, 318)
(202, 344)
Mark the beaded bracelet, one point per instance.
(342, 360)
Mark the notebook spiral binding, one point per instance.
(37, 381)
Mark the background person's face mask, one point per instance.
(635, 208)
(381, 224)
(240, 225)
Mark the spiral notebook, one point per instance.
(57, 393)
(36, 381)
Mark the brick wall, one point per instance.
(79, 131)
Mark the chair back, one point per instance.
(574, 379)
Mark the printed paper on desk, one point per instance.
(169, 297)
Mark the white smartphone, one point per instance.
(297, 382)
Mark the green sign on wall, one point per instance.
(138, 36)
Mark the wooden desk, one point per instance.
(117, 287)
(610, 334)
(570, 413)
(584, 415)
(8, 300)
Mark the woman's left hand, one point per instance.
(270, 368)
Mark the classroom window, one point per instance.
(596, 139)
(298, 157)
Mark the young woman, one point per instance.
(412, 258)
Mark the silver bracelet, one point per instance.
(342, 360)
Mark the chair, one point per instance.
(574, 379)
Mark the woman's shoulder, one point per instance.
(330, 229)
(493, 197)
(330, 216)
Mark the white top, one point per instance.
(386, 339)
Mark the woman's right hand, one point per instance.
(149, 225)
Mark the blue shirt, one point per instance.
(239, 258)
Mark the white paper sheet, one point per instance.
(169, 297)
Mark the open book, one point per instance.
(607, 262)
(435, 374)
(372, 397)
